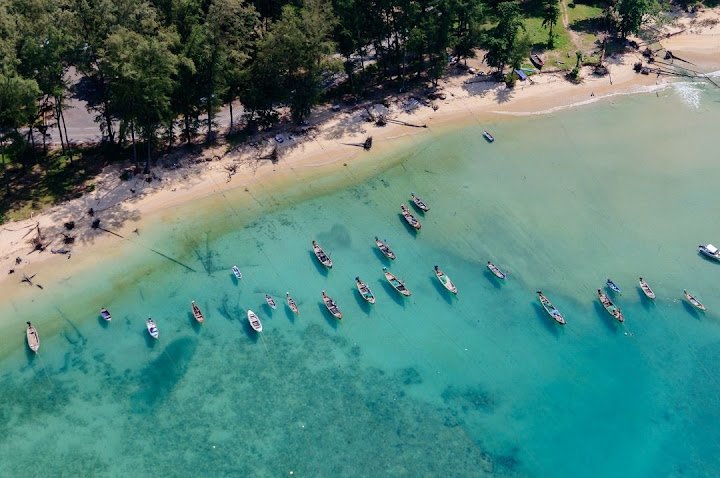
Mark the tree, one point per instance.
(550, 14)
(467, 34)
(299, 42)
(501, 39)
(629, 15)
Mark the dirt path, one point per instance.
(566, 23)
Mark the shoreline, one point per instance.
(123, 211)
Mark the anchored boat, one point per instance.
(364, 290)
(33, 339)
(254, 321)
(291, 303)
(710, 251)
(270, 301)
(445, 280)
(417, 200)
(693, 300)
(331, 306)
(385, 248)
(237, 272)
(646, 289)
(197, 313)
(321, 256)
(397, 284)
(105, 314)
(496, 270)
(611, 308)
(613, 286)
(551, 309)
(152, 328)
(412, 220)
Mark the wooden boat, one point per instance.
(417, 201)
(365, 291)
(537, 61)
(385, 248)
(445, 280)
(291, 303)
(550, 309)
(613, 286)
(331, 306)
(152, 328)
(412, 220)
(197, 313)
(486, 134)
(495, 270)
(237, 272)
(397, 284)
(254, 321)
(105, 314)
(646, 289)
(611, 308)
(321, 256)
(691, 298)
(33, 339)
(710, 251)
(270, 301)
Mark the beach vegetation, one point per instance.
(628, 15)
(550, 15)
(501, 40)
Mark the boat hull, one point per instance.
(33, 339)
(197, 313)
(365, 291)
(396, 283)
(385, 249)
(291, 303)
(254, 321)
(331, 306)
(322, 256)
(445, 280)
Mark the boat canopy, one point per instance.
(711, 249)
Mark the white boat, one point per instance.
(197, 313)
(105, 314)
(254, 321)
(33, 339)
(397, 284)
(646, 289)
(384, 248)
(488, 136)
(550, 309)
(270, 301)
(445, 280)
(291, 303)
(152, 328)
(710, 251)
(364, 290)
(495, 270)
(693, 300)
(321, 256)
(331, 306)
(417, 200)
(412, 220)
(237, 272)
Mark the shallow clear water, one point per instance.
(479, 384)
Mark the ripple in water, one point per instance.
(689, 94)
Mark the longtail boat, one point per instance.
(496, 270)
(33, 339)
(270, 301)
(152, 328)
(417, 201)
(613, 286)
(693, 300)
(385, 248)
(331, 306)
(291, 303)
(197, 313)
(321, 256)
(551, 309)
(412, 220)
(397, 284)
(611, 308)
(646, 289)
(445, 280)
(364, 290)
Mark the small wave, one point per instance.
(689, 93)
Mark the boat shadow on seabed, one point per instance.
(319, 267)
(329, 318)
(446, 294)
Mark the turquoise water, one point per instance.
(482, 384)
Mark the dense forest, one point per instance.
(156, 71)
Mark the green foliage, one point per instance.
(629, 15)
(550, 14)
(501, 40)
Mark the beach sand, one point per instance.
(126, 207)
